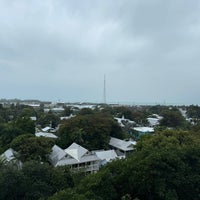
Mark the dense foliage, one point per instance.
(32, 148)
(34, 181)
(163, 166)
(172, 118)
(92, 131)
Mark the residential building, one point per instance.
(9, 156)
(76, 157)
(45, 134)
(107, 156)
(122, 147)
(139, 131)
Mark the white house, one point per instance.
(76, 157)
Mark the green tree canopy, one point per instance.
(163, 166)
(34, 181)
(48, 119)
(25, 124)
(172, 118)
(32, 148)
(193, 111)
(93, 131)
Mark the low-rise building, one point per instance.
(107, 156)
(45, 134)
(76, 157)
(121, 146)
(139, 131)
(9, 156)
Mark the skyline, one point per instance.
(61, 50)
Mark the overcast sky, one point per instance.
(59, 50)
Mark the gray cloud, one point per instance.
(149, 50)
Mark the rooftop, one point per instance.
(144, 129)
(121, 144)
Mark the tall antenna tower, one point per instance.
(104, 90)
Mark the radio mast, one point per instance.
(104, 90)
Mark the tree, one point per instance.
(86, 111)
(93, 131)
(172, 118)
(193, 111)
(163, 166)
(12, 183)
(32, 148)
(34, 181)
(7, 133)
(25, 124)
(27, 112)
(67, 111)
(48, 119)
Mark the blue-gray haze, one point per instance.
(61, 49)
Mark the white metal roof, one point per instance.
(76, 151)
(153, 121)
(121, 144)
(8, 155)
(107, 155)
(47, 128)
(45, 134)
(67, 117)
(33, 118)
(56, 154)
(74, 154)
(121, 120)
(72, 161)
(144, 129)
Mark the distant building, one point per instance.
(122, 121)
(33, 118)
(67, 117)
(154, 120)
(139, 131)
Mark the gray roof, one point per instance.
(45, 134)
(74, 154)
(144, 129)
(72, 161)
(56, 154)
(153, 121)
(76, 151)
(108, 155)
(47, 128)
(8, 155)
(121, 144)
